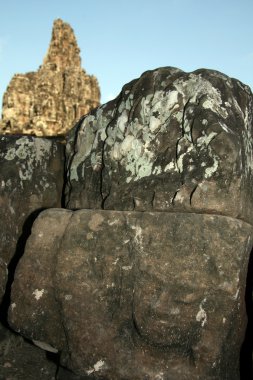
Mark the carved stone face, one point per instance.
(147, 280)
(141, 294)
(184, 283)
(172, 141)
(163, 288)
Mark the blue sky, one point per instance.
(121, 39)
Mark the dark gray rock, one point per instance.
(171, 141)
(134, 295)
(38, 279)
(149, 281)
(31, 179)
(20, 360)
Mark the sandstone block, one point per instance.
(31, 179)
(134, 295)
(146, 279)
(172, 141)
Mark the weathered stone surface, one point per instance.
(31, 179)
(20, 360)
(44, 240)
(49, 101)
(148, 282)
(134, 295)
(172, 141)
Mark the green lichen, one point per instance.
(30, 153)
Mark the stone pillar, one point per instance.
(49, 101)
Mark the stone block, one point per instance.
(31, 179)
(146, 278)
(134, 295)
(171, 141)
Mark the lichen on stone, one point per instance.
(166, 137)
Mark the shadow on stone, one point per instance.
(246, 370)
(65, 374)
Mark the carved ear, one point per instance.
(36, 315)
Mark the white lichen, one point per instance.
(38, 293)
(206, 139)
(96, 367)
(31, 154)
(127, 267)
(171, 166)
(212, 169)
(201, 315)
(138, 238)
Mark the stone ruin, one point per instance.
(49, 101)
(136, 267)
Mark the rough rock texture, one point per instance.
(31, 179)
(149, 281)
(172, 141)
(135, 295)
(48, 102)
(20, 360)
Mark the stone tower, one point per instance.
(49, 101)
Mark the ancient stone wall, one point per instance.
(143, 274)
(49, 101)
